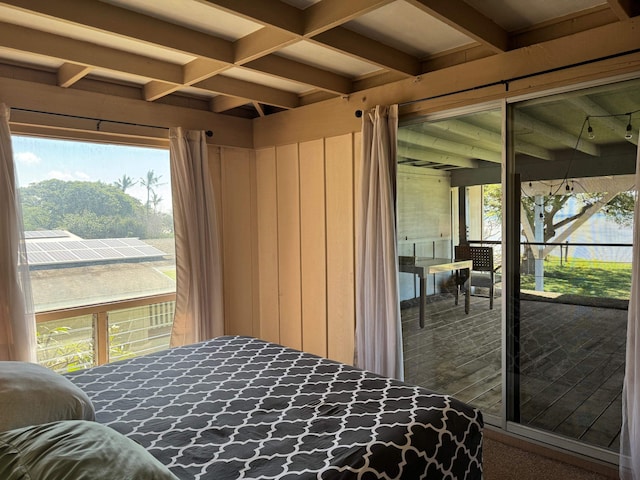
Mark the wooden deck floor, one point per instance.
(572, 365)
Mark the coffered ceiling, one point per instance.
(255, 57)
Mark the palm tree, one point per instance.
(124, 182)
(155, 201)
(152, 180)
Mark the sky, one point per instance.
(40, 159)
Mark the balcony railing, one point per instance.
(82, 337)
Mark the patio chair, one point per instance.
(484, 274)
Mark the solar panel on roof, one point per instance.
(45, 234)
(47, 252)
(41, 258)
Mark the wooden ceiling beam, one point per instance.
(70, 73)
(328, 14)
(415, 137)
(417, 154)
(200, 69)
(320, 23)
(108, 18)
(88, 54)
(261, 43)
(222, 103)
(239, 88)
(358, 46)
(285, 68)
(273, 13)
(533, 125)
(155, 90)
(467, 20)
(477, 134)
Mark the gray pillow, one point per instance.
(31, 394)
(75, 450)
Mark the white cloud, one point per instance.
(28, 158)
(82, 176)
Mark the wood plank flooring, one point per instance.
(572, 362)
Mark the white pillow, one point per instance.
(31, 394)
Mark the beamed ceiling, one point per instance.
(255, 58)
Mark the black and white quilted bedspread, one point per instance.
(242, 408)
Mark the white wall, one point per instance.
(424, 220)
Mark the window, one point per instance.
(100, 244)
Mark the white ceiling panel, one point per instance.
(196, 15)
(518, 14)
(408, 29)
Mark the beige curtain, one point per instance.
(17, 321)
(199, 297)
(378, 327)
(630, 434)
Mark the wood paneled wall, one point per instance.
(304, 198)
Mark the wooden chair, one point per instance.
(484, 274)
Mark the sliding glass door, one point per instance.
(449, 194)
(571, 179)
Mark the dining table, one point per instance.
(424, 266)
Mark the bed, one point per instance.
(242, 408)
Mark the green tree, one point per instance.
(87, 209)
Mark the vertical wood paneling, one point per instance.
(236, 170)
(340, 247)
(313, 247)
(267, 225)
(287, 176)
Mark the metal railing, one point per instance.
(81, 337)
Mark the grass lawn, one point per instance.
(584, 277)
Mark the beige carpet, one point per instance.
(504, 462)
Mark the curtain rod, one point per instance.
(209, 133)
(359, 113)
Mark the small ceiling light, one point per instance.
(590, 130)
(629, 134)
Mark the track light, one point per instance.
(629, 134)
